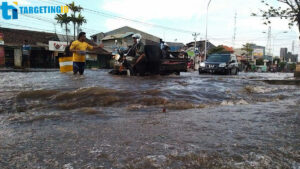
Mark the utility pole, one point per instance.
(196, 57)
(269, 41)
(205, 45)
(293, 47)
(234, 33)
(195, 38)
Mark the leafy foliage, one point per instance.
(292, 67)
(291, 13)
(63, 20)
(282, 65)
(217, 49)
(260, 61)
(248, 48)
(276, 59)
(74, 19)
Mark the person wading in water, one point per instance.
(79, 48)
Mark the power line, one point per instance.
(234, 31)
(47, 30)
(127, 19)
(53, 22)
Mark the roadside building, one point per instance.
(200, 46)
(291, 58)
(258, 52)
(112, 42)
(98, 58)
(45, 48)
(2, 55)
(122, 37)
(241, 54)
(243, 58)
(40, 56)
(283, 54)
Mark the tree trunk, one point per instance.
(298, 61)
(67, 34)
(74, 30)
(74, 25)
(297, 71)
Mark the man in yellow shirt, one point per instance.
(79, 48)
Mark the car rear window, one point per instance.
(218, 58)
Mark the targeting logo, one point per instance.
(11, 11)
(5, 11)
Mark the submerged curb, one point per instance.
(29, 70)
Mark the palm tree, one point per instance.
(63, 19)
(80, 20)
(74, 9)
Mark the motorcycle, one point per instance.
(123, 64)
(152, 64)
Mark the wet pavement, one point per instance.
(53, 120)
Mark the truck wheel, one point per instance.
(228, 72)
(237, 71)
(177, 73)
(233, 71)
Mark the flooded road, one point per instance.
(53, 120)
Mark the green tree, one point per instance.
(248, 48)
(276, 59)
(291, 12)
(282, 65)
(64, 19)
(74, 19)
(80, 20)
(217, 49)
(292, 67)
(260, 61)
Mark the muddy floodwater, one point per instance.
(53, 120)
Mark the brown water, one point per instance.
(53, 120)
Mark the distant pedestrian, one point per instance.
(26, 52)
(79, 48)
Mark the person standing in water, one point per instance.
(79, 48)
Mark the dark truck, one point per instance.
(154, 63)
(220, 63)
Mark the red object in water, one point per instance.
(164, 110)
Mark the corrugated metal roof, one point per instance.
(175, 44)
(63, 38)
(17, 36)
(129, 29)
(117, 36)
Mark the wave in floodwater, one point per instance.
(52, 120)
(103, 97)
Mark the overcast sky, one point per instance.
(186, 16)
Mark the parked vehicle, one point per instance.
(154, 64)
(220, 63)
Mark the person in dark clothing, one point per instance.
(165, 51)
(26, 52)
(139, 65)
